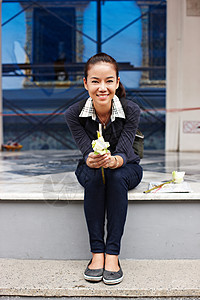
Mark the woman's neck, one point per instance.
(103, 111)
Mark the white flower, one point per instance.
(100, 146)
(178, 176)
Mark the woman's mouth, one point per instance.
(102, 96)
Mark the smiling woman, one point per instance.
(101, 83)
(121, 165)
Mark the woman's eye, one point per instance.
(94, 81)
(110, 81)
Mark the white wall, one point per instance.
(57, 230)
(183, 77)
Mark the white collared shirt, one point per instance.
(89, 111)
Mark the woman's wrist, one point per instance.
(116, 163)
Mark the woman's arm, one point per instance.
(78, 132)
(126, 139)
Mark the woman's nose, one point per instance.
(102, 86)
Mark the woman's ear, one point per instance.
(118, 80)
(85, 83)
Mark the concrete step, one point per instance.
(49, 176)
(64, 278)
(57, 230)
(41, 209)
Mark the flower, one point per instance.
(177, 177)
(100, 146)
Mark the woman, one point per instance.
(119, 118)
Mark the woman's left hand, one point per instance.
(109, 161)
(98, 161)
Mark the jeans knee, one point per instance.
(117, 177)
(94, 178)
(88, 176)
(128, 176)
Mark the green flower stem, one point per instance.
(102, 169)
(103, 175)
(158, 186)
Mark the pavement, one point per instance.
(59, 278)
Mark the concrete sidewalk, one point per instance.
(142, 278)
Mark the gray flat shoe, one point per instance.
(110, 277)
(93, 275)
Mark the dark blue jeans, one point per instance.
(110, 200)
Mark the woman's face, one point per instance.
(101, 83)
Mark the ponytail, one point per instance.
(120, 92)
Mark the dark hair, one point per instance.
(103, 57)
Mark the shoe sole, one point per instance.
(114, 281)
(93, 278)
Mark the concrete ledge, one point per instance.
(49, 175)
(65, 187)
(143, 278)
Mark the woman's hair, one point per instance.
(103, 57)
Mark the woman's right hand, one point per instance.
(97, 161)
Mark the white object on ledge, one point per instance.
(182, 187)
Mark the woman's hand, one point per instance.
(97, 161)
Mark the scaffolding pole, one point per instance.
(99, 43)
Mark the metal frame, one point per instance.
(77, 68)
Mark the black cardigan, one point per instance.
(119, 133)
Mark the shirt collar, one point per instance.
(89, 111)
